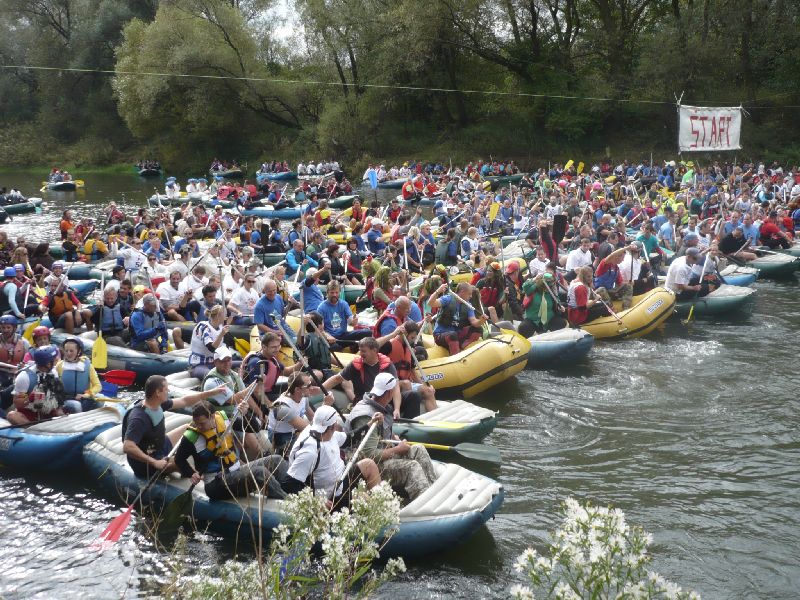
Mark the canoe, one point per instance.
(458, 503)
(267, 212)
(450, 423)
(391, 184)
(143, 364)
(56, 444)
(558, 348)
(776, 265)
(652, 309)
(284, 176)
(228, 173)
(150, 172)
(61, 186)
(725, 299)
(29, 205)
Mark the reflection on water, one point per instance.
(692, 432)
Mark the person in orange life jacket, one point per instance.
(394, 346)
(264, 363)
(608, 280)
(457, 326)
(13, 349)
(80, 380)
(362, 372)
(145, 440)
(64, 308)
(38, 393)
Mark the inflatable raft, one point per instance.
(197, 198)
(458, 503)
(739, 275)
(450, 423)
(143, 364)
(284, 176)
(776, 265)
(149, 172)
(268, 212)
(55, 444)
(651, 310)
(725, 299)
(62, 186)
(228, 173)
(391, 184)
(29, 205)
(556, 348)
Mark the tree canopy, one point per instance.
(364, 79)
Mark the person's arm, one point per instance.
(94, 383)
(433, 300)
(138, 334)
(192, 399)
(185, 451)
(10, 290)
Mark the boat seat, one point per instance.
(456, 490)
(457, 411)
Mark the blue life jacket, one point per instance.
(608, 279)
(76, 382)
(111, 318)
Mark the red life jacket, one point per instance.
(376, 330)
(401, 358)
(408, 190)
(369, 290)
(12, 353)
(358, 364)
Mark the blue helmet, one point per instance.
(9, 319)
(45, 356)
(10, 272)
(75, 340)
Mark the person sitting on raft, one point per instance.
(216, 458)
(457, 326)
(148, 327)
(64, 309)
(78, 376)
(680, 274)
(542, 311)
(38, 393)
(581, 305)
(608, 282)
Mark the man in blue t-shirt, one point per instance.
(375, 237)
(269, 311)
(750, 230)
(336, 315)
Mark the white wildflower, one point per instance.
(521, 592)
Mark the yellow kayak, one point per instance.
(648, 312)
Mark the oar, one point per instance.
(479, 452)
(352, 460)
(174, 511)
(622, 327)
(119, 377)
(99, 348)
(436, 424)
(119, 524)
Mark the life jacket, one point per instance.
(400, 356)
(387, 314)
(111, 318)
(369, 290)
(210, 445)
(19, 296)
(75, 381)
(490, 293)
(153, 439)
(408, 190)
(12, 353)
(272, 370)
(94, 253)
(448, 313)
(358, 364)
(318, 352)
(608, 279)
(58, 305)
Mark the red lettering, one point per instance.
(728, 131)
(713, 141)
(695, 132)
(720, 128)
(703, 120)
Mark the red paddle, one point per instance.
(120, 377)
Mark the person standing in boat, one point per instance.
(404, 466)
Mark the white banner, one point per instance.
(703, 129)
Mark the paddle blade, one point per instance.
(100, 353)
(580, 168)
(174, 513)
(493, 211)
(242, 346)
(559, 227)
(28, 333)
(114, 531)
(480, 452)
(122, 378)
(109, 390)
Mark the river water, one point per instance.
(693, 432)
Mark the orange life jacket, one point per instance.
(401, 358)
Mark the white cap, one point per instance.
(222, 353)
(377, 222)
(383, 383)
(222, 397)
(324, 418)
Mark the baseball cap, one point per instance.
(695, 252)
(691, 236)
(223, 396)
(512, 267)
(222, 353)
(325, 417)
(383, 383)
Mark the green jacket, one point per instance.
(535, 294)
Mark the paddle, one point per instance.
(622, 327)
(99, 348)
(436, 424)
(559, 227)
(28, 333)
(174, 511)
(352, 460)
(422, 377)
(697, 293)
(119, 377)
(479, 452)
(119, 524)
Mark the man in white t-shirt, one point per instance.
(172, 300)
(680, 273)
(579, 257)
(243, 301)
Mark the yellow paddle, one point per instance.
(493, 211)
(79, 182)
(580, 168)
(242, 346)
(28, 333)
(100, 348)
(570, 162)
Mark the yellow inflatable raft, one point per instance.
(648, 312)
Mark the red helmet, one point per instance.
(40, 331)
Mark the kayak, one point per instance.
(284, 176)
(29, 205)
(558, 348)
(450, 423)
(725, 299)
(143, 364)
(650, 311)
(56, 444)
(456, 506)
(776, 265)
(268, 212)
(228, 173)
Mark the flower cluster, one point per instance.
(594, 554)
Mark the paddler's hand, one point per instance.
(402, 448)
(328, 400)
(160, 464)
(396, 414)
(195, 478)
(376, 418)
